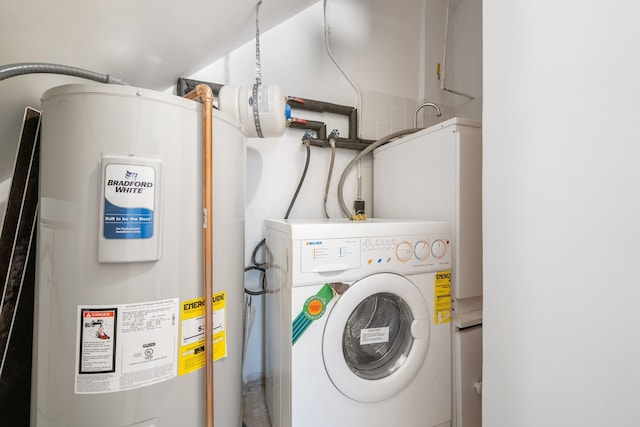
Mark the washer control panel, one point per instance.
(410, 251)
(392, 253)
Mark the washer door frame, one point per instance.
(343, 378)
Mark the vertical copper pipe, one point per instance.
(204, 92)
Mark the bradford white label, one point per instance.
(129, 197)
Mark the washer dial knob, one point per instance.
(439, 248)
(404, 251)
(421, 250)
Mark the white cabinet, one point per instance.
(436, 174)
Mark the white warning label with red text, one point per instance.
(126, 346)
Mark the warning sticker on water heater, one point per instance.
(126, 346)
(129, 197)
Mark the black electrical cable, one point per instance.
(254, 254)
(263, 280)
(304, 174)
(254, 293)
(260, 266)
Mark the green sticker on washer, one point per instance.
(314, 308)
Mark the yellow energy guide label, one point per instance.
(442, 297)
(192, 332)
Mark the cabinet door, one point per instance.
(468, 377)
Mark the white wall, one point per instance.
(561, 209)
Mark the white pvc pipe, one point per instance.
(327, 32)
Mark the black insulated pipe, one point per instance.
(318, 106)
(184, 86)
(319, 127)
(327, 107)
(351, 144)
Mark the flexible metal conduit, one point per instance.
(12, 70)
(332, 142)
(204, 92)
(355, 160)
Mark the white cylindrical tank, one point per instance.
(119, 294)
(260, 109)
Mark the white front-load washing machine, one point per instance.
(358, 323)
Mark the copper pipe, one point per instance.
(204, 92)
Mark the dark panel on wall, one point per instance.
(17, 278)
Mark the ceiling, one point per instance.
(146, 43)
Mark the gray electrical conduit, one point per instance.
(355, 160)
(13, 70)
(332, 141)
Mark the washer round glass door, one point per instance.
(376, 337)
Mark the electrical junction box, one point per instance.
(130, 219)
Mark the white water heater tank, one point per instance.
(119, 326)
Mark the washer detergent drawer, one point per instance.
(328, 255)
